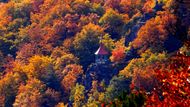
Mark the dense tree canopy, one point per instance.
(94, 53)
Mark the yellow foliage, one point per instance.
(111, 17)
(66, 59)
(108, 42)
(61, 105)
(147, 58)
(79, 96)
(39, 67)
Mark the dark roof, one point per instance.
(101, 50)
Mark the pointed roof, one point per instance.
(101, 50)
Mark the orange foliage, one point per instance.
(118, 54)
(155, 32)
(5, 18)
(30, 94)
(44, 37)
(148, 6)
(72, 74)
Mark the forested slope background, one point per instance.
(47, 53)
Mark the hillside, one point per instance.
(94, 53)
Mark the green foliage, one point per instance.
(82, 6)
(125, 100)
(65, 60)
(97, 8)
(8, 46)
(95, 97)
(118, 85)
(86, 43)
(16, 24)
(77, 95)
(147, 58)
(115, 22)
(111, 17)
(108, 42)
(21, 10)
(19, 17)
(185, 50)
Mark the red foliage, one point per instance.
(113, 3)
(118, 54)
(27, 51)
(144, 79)
(174, 87)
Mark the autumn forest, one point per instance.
(94, 53)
